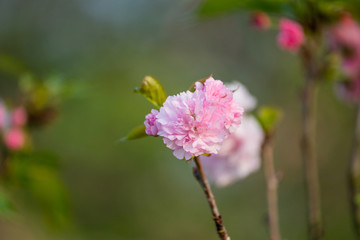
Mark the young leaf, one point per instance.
(268, 118)
(192, 87)
(136, 133)
(152, 90)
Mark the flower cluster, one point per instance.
(240, 153)
(196, 123)
(345, 38)
(11, 127)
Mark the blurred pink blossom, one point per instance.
(260, 20)
(291, 35)
(19, 117)
(150, 123)
(196, 123)
(348, 91)
(345, 37)
(14, 139)
(239, 156)
(242, 95)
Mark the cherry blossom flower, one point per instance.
(150, 123)
(291, 35)
(260, 20)
(19, 117)
(196, 123)
(242, 95)
(345, 37)
(14, 139)
(239, 156)
(240, 153)
(348, 91)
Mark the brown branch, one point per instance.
(308, 146)
(4, 158)
(272, 186)
(354, 176)
(201, 178)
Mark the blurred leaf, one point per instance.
(213, 7)
(38, 178)
(136, 133)
(269, 117)
(192, 87)
(12, 66)
(152, 90)
(6, 206)
(44, 158)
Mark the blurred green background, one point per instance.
(137, 189)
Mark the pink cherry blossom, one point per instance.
(291, 35)
(195, 123)
(19, 117)
(242, 95)
(150, 123)
(239, 156)
(260, 20)
(14, 139)
(345, 37)
(348, 91)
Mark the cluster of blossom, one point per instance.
(345, 38)
(196, 123)
(206, 123)
(290, 36)
(240, 153)
(12, 125)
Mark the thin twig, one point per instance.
(201, 178)
(308, 145)
(272, 186)
(354, 176)
(3, 161)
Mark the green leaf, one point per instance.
(152, 90)
(269, 117)
(214, 7)
(192, 87)
(136, 133)
(6, 206)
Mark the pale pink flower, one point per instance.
(348, 91)
(150, 123)
(242, 95)
(345, 37)
(260, 20)
(291, 35)
(19, 117)
(239, 156)
(14, 139)
(196, 123)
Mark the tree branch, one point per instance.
(272, 186)
(308, 146)
(201, 178)
(354, 176)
